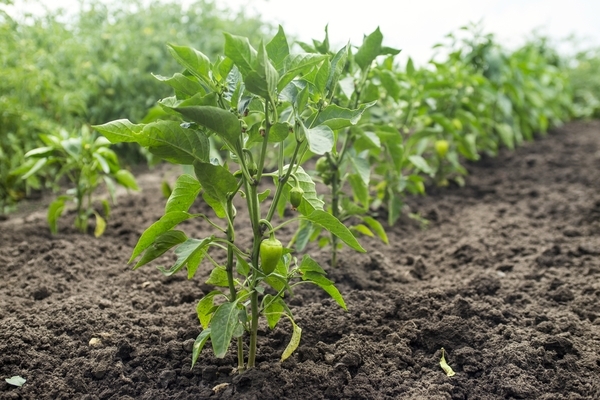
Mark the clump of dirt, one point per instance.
(505, 278)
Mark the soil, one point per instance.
(504, 277)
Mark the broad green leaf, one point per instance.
(72, 146)
(278, 49)
(217, 205)
(337, 117)
(182, 84)
(100, 225)
(325, 284)
(39, 164)
(421, 164)
(390, 84)
(193, 60)
(186, 252)
(279, 132)
(273, 310)
(165, 223)
(303, 235)
(338, 64)
(173, 143)
(360, 189)
(241, 52)
(308, 264)
(361, 166)
(294, 341)
(183, 194)
(121, 130)
(222, 326)
(320, 139)
(194, 262)
(102, 162)
(262, 80)
(363, 229)
(218, 277)
(126, 179)
(369, 50)
(201, 340)
(205, 308)
(222, 122)
(55, 210)
(377, 228)
(215, 180)
(40, 152)
(321, 77)
(242, 266)
(160, 246)
(333, 225)
(296, 64)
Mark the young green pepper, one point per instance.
(441, 147)
(271, 251)
(296, 194)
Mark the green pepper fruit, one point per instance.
(441, 147)
(322, 166)
(296, 194)
(271, 251)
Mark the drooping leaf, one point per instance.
(377, 228)
(222, 122)
(421, 164)
(55, 210)
(160, 246)
(183, 194)
(173, 143)
(199, 343)
(320, 139)
(193, 60)
(333, 225)
(337, 117)
(223, 324)
(165, 223)
(294, 341)
(218, 277)
(100, 225)
(126, 179)
(205, 308)
(182, 84)
(186, 252)
(325, 284)
(273, 310)
(215, 180)
(121, 130)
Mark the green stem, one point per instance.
(281, 184)
(229, 269)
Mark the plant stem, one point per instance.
(230, 278)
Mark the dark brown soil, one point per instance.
(505, 277)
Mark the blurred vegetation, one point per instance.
(66, 71)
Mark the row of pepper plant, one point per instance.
(376, 130)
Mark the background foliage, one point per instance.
(93, 67)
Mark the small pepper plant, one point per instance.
(86, 160)
(255, 103)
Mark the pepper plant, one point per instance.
(86, 160)
(254, 103)
(346, 168)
